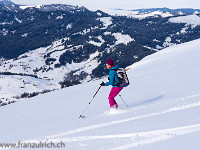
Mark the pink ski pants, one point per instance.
(113, 93)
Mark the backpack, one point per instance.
(123, 78)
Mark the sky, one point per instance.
(122, 4)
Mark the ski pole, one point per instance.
(82, 116)
(123, 100)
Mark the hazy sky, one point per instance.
(124, 4)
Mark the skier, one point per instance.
(114, 81)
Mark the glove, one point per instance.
(102, 84)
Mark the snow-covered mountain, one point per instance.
(48, 47)
(6, 2)
(163, 113)
(114, 4)
(7, 5)
(153, 12)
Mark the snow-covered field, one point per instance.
(193, 20)
(163, 112)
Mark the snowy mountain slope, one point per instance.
(193, 20)
(67, 45)
(163, 112)
(14, 87)
(155, 12)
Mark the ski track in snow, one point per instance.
(159, 135)
(150, 105)
(138, 139)
(124, 120)
(173, 109)
(141, 138)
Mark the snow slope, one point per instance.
(163, 112)
(193, 20)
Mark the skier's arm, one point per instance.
(111, 76)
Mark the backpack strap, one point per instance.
(118, 84)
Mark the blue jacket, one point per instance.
(113, 77)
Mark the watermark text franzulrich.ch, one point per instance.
(33, 145)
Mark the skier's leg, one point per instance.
(114, 91)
